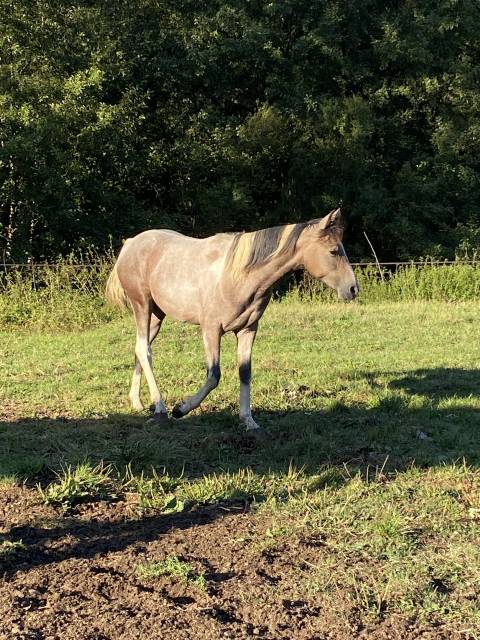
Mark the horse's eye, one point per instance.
(334, 252)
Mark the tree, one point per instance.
(212, 116)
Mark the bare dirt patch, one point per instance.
(77, 577)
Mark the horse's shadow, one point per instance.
(441, 383)
(429, 417)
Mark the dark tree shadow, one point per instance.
(439, 384)
(97, 537)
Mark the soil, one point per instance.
(77, 578)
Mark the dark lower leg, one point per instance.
(211, 341)
(245, 340)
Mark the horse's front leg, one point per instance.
(245, 340)
(211, 340)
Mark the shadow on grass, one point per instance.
(440, 384)
(426, 416)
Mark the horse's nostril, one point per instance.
(353, 291)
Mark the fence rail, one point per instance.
(48, 265)
(414, 263)
(81, 265)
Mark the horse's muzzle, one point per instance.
(348, 293)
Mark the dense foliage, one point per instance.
(213, 115)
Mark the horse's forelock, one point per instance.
(334, 231)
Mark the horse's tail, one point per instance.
(114, 292)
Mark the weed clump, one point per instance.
(173, 566)
(78, 484)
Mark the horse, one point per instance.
(222, 283)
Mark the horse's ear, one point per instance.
(332, 219)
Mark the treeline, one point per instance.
(205, 116)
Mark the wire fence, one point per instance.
(100, 264)
(455, 278)
(71, 294)
(49, 265)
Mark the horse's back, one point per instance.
(150, 246)
(152, 238)
(175, 270)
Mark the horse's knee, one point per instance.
(214, 375)
(142, 349)
(245, 372)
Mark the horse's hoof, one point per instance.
(158, 418)
(257, 433)
(177, 411)
(250, 424)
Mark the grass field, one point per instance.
(371, 447)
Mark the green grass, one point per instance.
(62, 296)
(331, 383)
(371, 445)
(430, 281)
(75, 485)
(10, 548)
(408, 543)
(173, 566)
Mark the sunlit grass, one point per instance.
(334, 383)
(79, 483)
(68, 295)
(10, 548)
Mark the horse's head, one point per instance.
(324, 257)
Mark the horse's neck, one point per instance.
(266, 275)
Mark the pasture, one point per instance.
(355, 515)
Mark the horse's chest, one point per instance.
(255, 311)
(247, 314)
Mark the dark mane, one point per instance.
(267, 241)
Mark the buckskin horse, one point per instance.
(221, 283)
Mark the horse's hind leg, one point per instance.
(134, 394)
(143, 311)
(156, 320)
(211, 340)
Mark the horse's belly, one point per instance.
(177, 307)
